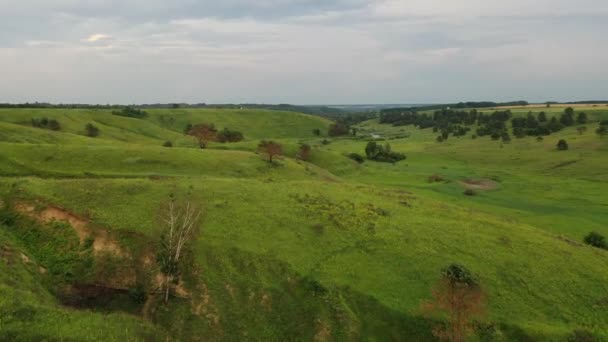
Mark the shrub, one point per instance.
(304, 152)
(91, 130)
(131, 112)
(539, 138)
(325, 142)
(227, 135)
(562, 145)
(602, 130)
(356, 157)
(470, 192)
(338, 129)
(435, 178)
(596, 240)
(51, 124)
(380, 153)
(167, 144)
(316, 132)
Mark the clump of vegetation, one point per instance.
(338, 129)
(45, 123)
(603, 129)
(304, 152)
(167, 144)
(131, 112)
(581, 129)
(316, 132)
(596, 240)
(562, 145)
(325, 142)
(377, 152)
(343, 214)
(91, 130)
(581, 335)
(435, 178)
(470, 192)
(270, 149)
(356, 157)
(459, 300)
(226, 135)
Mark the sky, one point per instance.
(302, 51)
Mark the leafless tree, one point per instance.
(180, 223)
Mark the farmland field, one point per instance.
(318, 249)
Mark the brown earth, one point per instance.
(482, 184)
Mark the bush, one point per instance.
(435, 178)
(356, 157)
(229, 136)
(131, 112)
(470, 192)
(562, 145)
(167, 144)
(380, 153)
(596, 240)
(51, 124)
(91, 130)
(338, 129)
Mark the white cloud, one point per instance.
(97, 37)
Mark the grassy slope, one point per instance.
(257, 235)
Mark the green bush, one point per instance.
(596, 240)
(356, 157)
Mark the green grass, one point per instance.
(297, 249)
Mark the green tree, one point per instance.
(91, 130)
(542, 117)
(582, 118)
(596, 240)
(562, 145)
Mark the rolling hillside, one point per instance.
(325, 249)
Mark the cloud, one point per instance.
(301, 51)
(97, 37)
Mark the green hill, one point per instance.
(327, 249)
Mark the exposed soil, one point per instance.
(482, 184)
(102, 243)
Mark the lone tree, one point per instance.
(304, 152)
(270, 148)
(180, 222)
(91, 130)
(204, 133)
(581, 129)
(562, 145)
(459, 299)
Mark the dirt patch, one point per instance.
(102, 240)
(482, 184)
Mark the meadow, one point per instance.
(324, 249)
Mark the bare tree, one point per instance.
(458, 298)
(180, 223)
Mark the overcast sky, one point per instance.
(302, 51)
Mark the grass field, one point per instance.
(327, 249)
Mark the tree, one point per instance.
(581, 118)
(506, 138)
(54, 125)
(270, 148)
(567, 118)
(91, 130)
(304, 152)
(542, 117)
(204, 133)
(180, 222)
(602, 130)
(596, 240)
(316, 132)
(581, 129)
(338, 129)
(371, 150)
(562, 145)
(459, 299)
